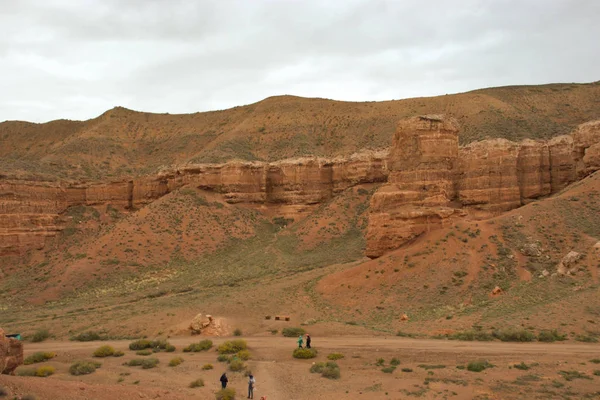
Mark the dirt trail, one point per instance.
(281, 377)
(268, 345)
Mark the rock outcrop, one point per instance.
(428, 180)
(32, 211)
(568, 264)
(11, 354)
(420, 186)
(432, 180)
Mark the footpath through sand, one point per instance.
(428, 369)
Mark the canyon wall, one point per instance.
(429, 181)
(432, 180)
(33, 211)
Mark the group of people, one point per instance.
(251, 384)
(251, 381)
(301, 341)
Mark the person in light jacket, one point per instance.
(251, 383)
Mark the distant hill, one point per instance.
(123, 142)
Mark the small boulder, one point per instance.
(497, 290)
(11, 354)
(566, 266)
(199, 323)
(404, 317)
(531, 250)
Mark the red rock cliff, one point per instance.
(432, 179)
(31, 211)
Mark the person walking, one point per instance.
(300, 341)
(224, 380)
(251, 383)
(308, 341)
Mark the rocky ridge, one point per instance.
(432, 180)
(428, 180)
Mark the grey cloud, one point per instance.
(60, 58)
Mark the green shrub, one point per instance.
(146, 352)
(243, 355)
(522, 366)
(118, 353)
(551, 336)
(388, 370)
(197, 383)
(203, 345)
(572, 375)
(38, 357)
(223, 358)
(207, 367)
(586, 338)
(44, 371)
(145, 363)
(595, 361)
(26, 372)
(149, 363)
(83, 367)
(331, 371)
(597, 372)
(237, 332)
(407, 370)
(89, 336)
(232, 347)
(225, 394)
(175, 361)
(236, 365)
(380, 362)
(3, 392)
(170, 348)
(514, 335)
(134, 362)
(304, 353)
(140, 344)
(478, 366)
(335, 356)
(161, 344)
(104, 351)
(471, 336)
(394, 361)
(428, 367)
(40, 336)
(292, 332)
(317, 367)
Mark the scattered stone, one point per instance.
(545, 273)
(404, 317)
(497, 290)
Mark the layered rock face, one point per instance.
(432, 179)
(11, 354)
(429, 181)
(420, 185)
(31, 212)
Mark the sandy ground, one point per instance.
(281, 377)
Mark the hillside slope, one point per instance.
(122, 142)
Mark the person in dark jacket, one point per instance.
(308, 341)
(224, 380)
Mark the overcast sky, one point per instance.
(77, 58)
